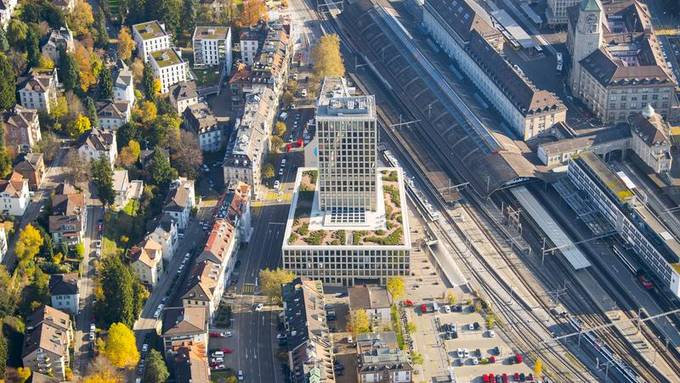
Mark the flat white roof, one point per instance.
(514, 29)
(551, 228)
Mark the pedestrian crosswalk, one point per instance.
(248, 288)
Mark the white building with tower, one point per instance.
(348, 222)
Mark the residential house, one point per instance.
(212, 46)
(22, 129)
(183, 94)
(180, 201)
(310, 346)
(14, 195)
(65, 292)
(183, 327)
(125, 189)
(3, 242)
(234, 206)
(168, 67)
(123, 84)
(98, 143)
(150, 37)
(190, 363)
(32, 168)
(59, 39)
(6, 10)
(380, 360)
(199, 118)
(113, 115)
(48, 336)
(166, 233)
(69, 215)
(39, 89)
(147, 261)
(249, 40)
(212, 269)
(373, 299)
(67, 6)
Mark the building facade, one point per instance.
(212, 46)
(183, 95)
(98, 143)
(200, 119)
(65, 292)
(181, 200)
(48, 337)
(32, 168)
(22, 129)
(123, 84)
(113, 115)
(150, 37)
(147, 261)
(14, 195)
(250, 44)
(650, 140)
(168, 67)
(39, 90)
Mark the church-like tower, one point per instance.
(587, 38)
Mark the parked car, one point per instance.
(259, 307)
(240, 375)
(218, 354)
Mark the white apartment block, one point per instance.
(14, 195)
(169, 67)
(150, 37)
(250, 44)
(39, 90)
(212, 46)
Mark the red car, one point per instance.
(408, 303)
(485, 378)
(215, 335)
(516, 377)
(505, 378)
(518, 358)
(227, 350)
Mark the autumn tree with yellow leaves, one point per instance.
(89, 66)
(28, 245)
(327, 57)
(125, 44)
(120, 347)
(253, 12)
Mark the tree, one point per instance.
(161, 171)
(130, 154)
(127, 133)
(77, 169)
(395, 286)
(417, 358)
(28, 245)
(8, 296)
(165, 129)
(16, 33)
(45, 62)
(125, 44)
(8, 83)
(3, 351)
(23, 373)
(359, 322)
(78, 126)
(156, 370)
(120, 347)
(538, 368)
(4, 47)
(188, 16)
(101, 371)
(48, 146)
(327, 57)
(68, 71)
(91, 111)
(89, 66)
(146, 112)
(105, 84)
(32, 44)
(5, 160)
(411, 327)
(253, 12)
(100, 23)
(102, 177)
(81, 18)
(186, 155)
(117, 293)
(276, 143)
(271, 281)
(137, 68)
(147, 83)
(166, 11)
(451, 298)
(268, 171)
(280, 128)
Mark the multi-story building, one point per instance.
(183, 95)
(345, 225)
(180, 201)
(14, 195)
(168, 67)
(150, 37)
(166, 233)
(374, 300)
(22, 129)
(69, 215)
(212, 46)
(183, 327)
(656, 248)
(97, 143)
(249, 42)
(113, 115)
(147, 261)
(6, 10)
(125, 189)
(617, 66)
(466, 34)
(39, 89)
(380, 360)
(49, 334)
(556, 11)
(123, 84)
(249, 143)
(310, 345)
(200, 119)
(650, 139)
(191, 363)
(234, 206)
(59, 39)
(65, 292)
(32, 168)
(270, 67)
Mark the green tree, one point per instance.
(395, 286)
(102, 177)
(359, 322)
(5, 160)
(167, 11)
(147, 82)
(4, 47)
(161, 171)
(105, 84)
(126, 133)
(8, 83)
(188, 19)
(271, 281)
(33, 46)
(115, 300)
(120, 347)
(8, 296)
(91, 111)
(78, 126)
(411, 327)
(156, 370)
(100, 23)
(16, 33)
(68, 71)
(165, 130)
(3, 350)
(417, 358)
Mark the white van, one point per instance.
(218, 354)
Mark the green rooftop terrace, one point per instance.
(149, 30)
(166, 57)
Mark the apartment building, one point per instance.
(380, 360)
(180, 201)
(168, 67)
(14, 195)
(249, 42)
(212, 46)
(22, 129)
(98, 143)
(150, 37)
(69, 215)
(182, 327)
(123, 84)
(147, 261)
(49, 333)
(113, 115)
(183, 95)
(650, 139)
(167, 234)
(65, 292)
(60, 39)
(32, 168)
(199, 118)
(39, 89)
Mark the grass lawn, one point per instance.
(207, 77)
(121, 227)
(221, 376)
